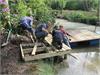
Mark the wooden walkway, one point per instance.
(82, 35)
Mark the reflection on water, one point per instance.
(98, 32)
(87, 62)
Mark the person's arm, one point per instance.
(31, 21)
(68, 34)
(65, 32)
(45, 30)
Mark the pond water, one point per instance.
(84, 61)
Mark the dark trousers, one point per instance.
(66, 41)
(57, 42)
(41, 35)
(25, 27)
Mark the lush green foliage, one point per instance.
(40, 10)
(22, 8)
(37, 8)
(57, 4)
(73, 4)
(81, 4)
(81, 16)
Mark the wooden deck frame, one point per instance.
(45, 55)
(26, 53)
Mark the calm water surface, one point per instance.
(87, 62)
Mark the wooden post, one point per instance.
(35, 46)
(22, 51)
(34, 49)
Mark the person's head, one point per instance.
(61, 26)
(56, 28)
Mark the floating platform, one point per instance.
(83, 37)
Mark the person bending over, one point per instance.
(26, 24)
(42, 31)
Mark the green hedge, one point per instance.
(86, 5)
(81, 17)
(74, 4)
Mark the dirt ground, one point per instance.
(11, 60)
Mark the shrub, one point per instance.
(81, 4)
(73, 16)
(22, 8)
(89, 20)
(40, 10)
(73, 4)
(58, 4)
(81, 17)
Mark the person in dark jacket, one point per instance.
(57, 37)
(26, 24)
(42, 30)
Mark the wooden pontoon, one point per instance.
(83, 37)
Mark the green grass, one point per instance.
(87, 13)
(40, 67)
(46, 68)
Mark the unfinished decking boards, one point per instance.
(45, 55)
(26, 53)
(82, 35)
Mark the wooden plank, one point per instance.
(64, 48)
(45, 55)
(34, 49)
(29, 50)
(82, 35)
(49, 40)
(22, 51)
(90, 34)
(28, 45)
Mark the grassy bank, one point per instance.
(46, 68)
(86, 17)
(42, 68)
